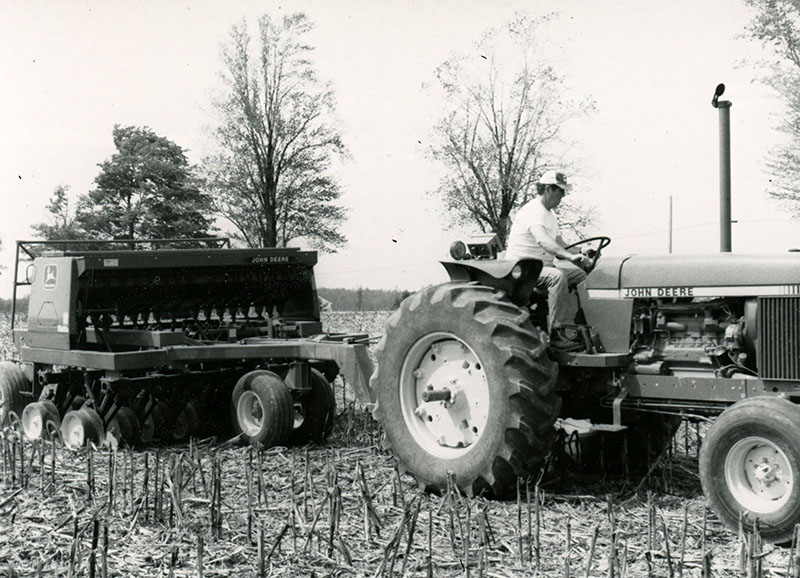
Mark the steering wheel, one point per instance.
(593, 254)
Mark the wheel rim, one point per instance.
(438, 363)
(250, 413)
(299, 415)
(759, 475)
(33, 421)
(114, 432)
(73, 431)
(35, 417)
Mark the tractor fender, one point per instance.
(498, 274)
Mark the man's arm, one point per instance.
(563, 243)
(555, 247)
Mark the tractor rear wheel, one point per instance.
(262, 408)
(464, 386)
(315, 411)
(12, 383)
(750, 462)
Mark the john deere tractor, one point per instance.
(466, 384)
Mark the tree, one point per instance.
(776, 24)
(146, 190)
(400, 298)
(62, 223)
(501, 128)
(275, 140)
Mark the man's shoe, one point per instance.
(560, 340)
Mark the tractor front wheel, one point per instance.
(750, 463)
(464, 387)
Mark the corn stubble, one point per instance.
(207, 508)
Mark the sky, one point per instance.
(71, 70)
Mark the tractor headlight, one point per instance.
(516, 272)
(30, 273)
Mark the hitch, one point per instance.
(616, 409)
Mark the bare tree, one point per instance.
(505, 110)
(276, 139)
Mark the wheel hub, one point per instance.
(446, 395)
(33, 420)
(759, 475)
(251, 413)
(766, 473)
(35, 426)
(76, 437)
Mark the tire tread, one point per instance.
(530, 375)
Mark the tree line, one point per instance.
(361, 299)
(275, 134)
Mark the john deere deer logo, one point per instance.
(50, 276)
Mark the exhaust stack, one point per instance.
(724, 107)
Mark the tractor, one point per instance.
(467, 387)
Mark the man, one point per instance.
(535, 234)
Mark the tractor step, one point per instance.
(600, 360)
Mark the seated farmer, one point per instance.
(535, 234)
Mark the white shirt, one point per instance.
(521, 241)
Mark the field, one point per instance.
(211, 508)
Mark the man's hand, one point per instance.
(578, 259)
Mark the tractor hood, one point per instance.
(712, 270)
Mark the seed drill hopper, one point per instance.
(130, 345)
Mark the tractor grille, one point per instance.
(779, 337)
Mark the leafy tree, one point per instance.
(505, 110)
(146, 190)
(62, 223)
(776, 23)
(275, 139)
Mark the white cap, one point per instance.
(555, 178)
